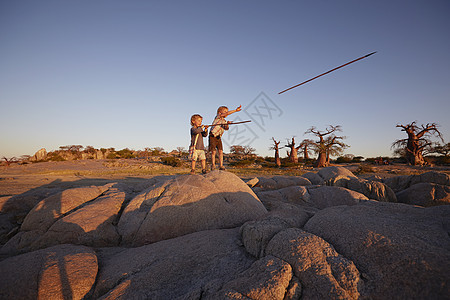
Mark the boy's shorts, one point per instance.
(215, 142)
(198, 155)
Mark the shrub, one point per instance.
(56, 157)
(171, 161)
(343, 159)
(364, 168)
(112, 155)
(125, 153)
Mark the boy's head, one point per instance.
(195, 119)
(222, 109)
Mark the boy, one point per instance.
(218, 128)
(197, 149)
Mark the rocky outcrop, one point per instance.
(59, 272)
(400, 183)
(427, 189)
(312, 196)
(425, 194)
(277, 182)
(323, 272)
(40, 155)
(180, 268)
(372, 189)
(403, 251)
(187, 204)
(91, 225)
(267, 278)
(213, 237)
(334, 174)
(39, 220)
(342, 177)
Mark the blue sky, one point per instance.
(129, 74)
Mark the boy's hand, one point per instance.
(239, 108)
(205, 127)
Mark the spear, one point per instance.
(232, 123)
(327, 72)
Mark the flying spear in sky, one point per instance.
(327, 72)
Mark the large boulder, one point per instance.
(314, 178)
(402, 250)
(278, 182)
(59, 272)
(91, 225)
(323, 272)
(332, 174)
(41, 154)
(181, 268)
(187, 204)
(425, 194)
(372, 189)
(342, 177)
(257, 234)
(312, 196)
(325, 196)
(267, 278)
(48, 212)
(399, 183)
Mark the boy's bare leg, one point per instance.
(193, 165)
(203, 165)
(220, 158)
(213, 159)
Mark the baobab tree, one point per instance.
(293, 157)
(9, 161)
(418, 141)
(328, 144)
(277, 152)
(305, 146)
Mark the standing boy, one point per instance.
(197, 149)
(218, 128)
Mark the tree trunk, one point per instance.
(293, 157)
(293, 153)
(305, 153)
(321, 160)
(277, 152)
(413, 152)
(277, 158)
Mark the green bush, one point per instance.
(125, 153)
(171, 161)
(364, 168)
(343, 160)
(56, 158)
(112, 155)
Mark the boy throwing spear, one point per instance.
(218, 127)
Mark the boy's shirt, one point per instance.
(219, 126)
(194, 132)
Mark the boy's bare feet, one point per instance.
(192, 171)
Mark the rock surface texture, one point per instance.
(324, 235)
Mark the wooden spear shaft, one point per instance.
(232, 123)
(327, 72)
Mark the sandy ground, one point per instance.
(17, 179)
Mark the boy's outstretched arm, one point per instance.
(239, 108)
